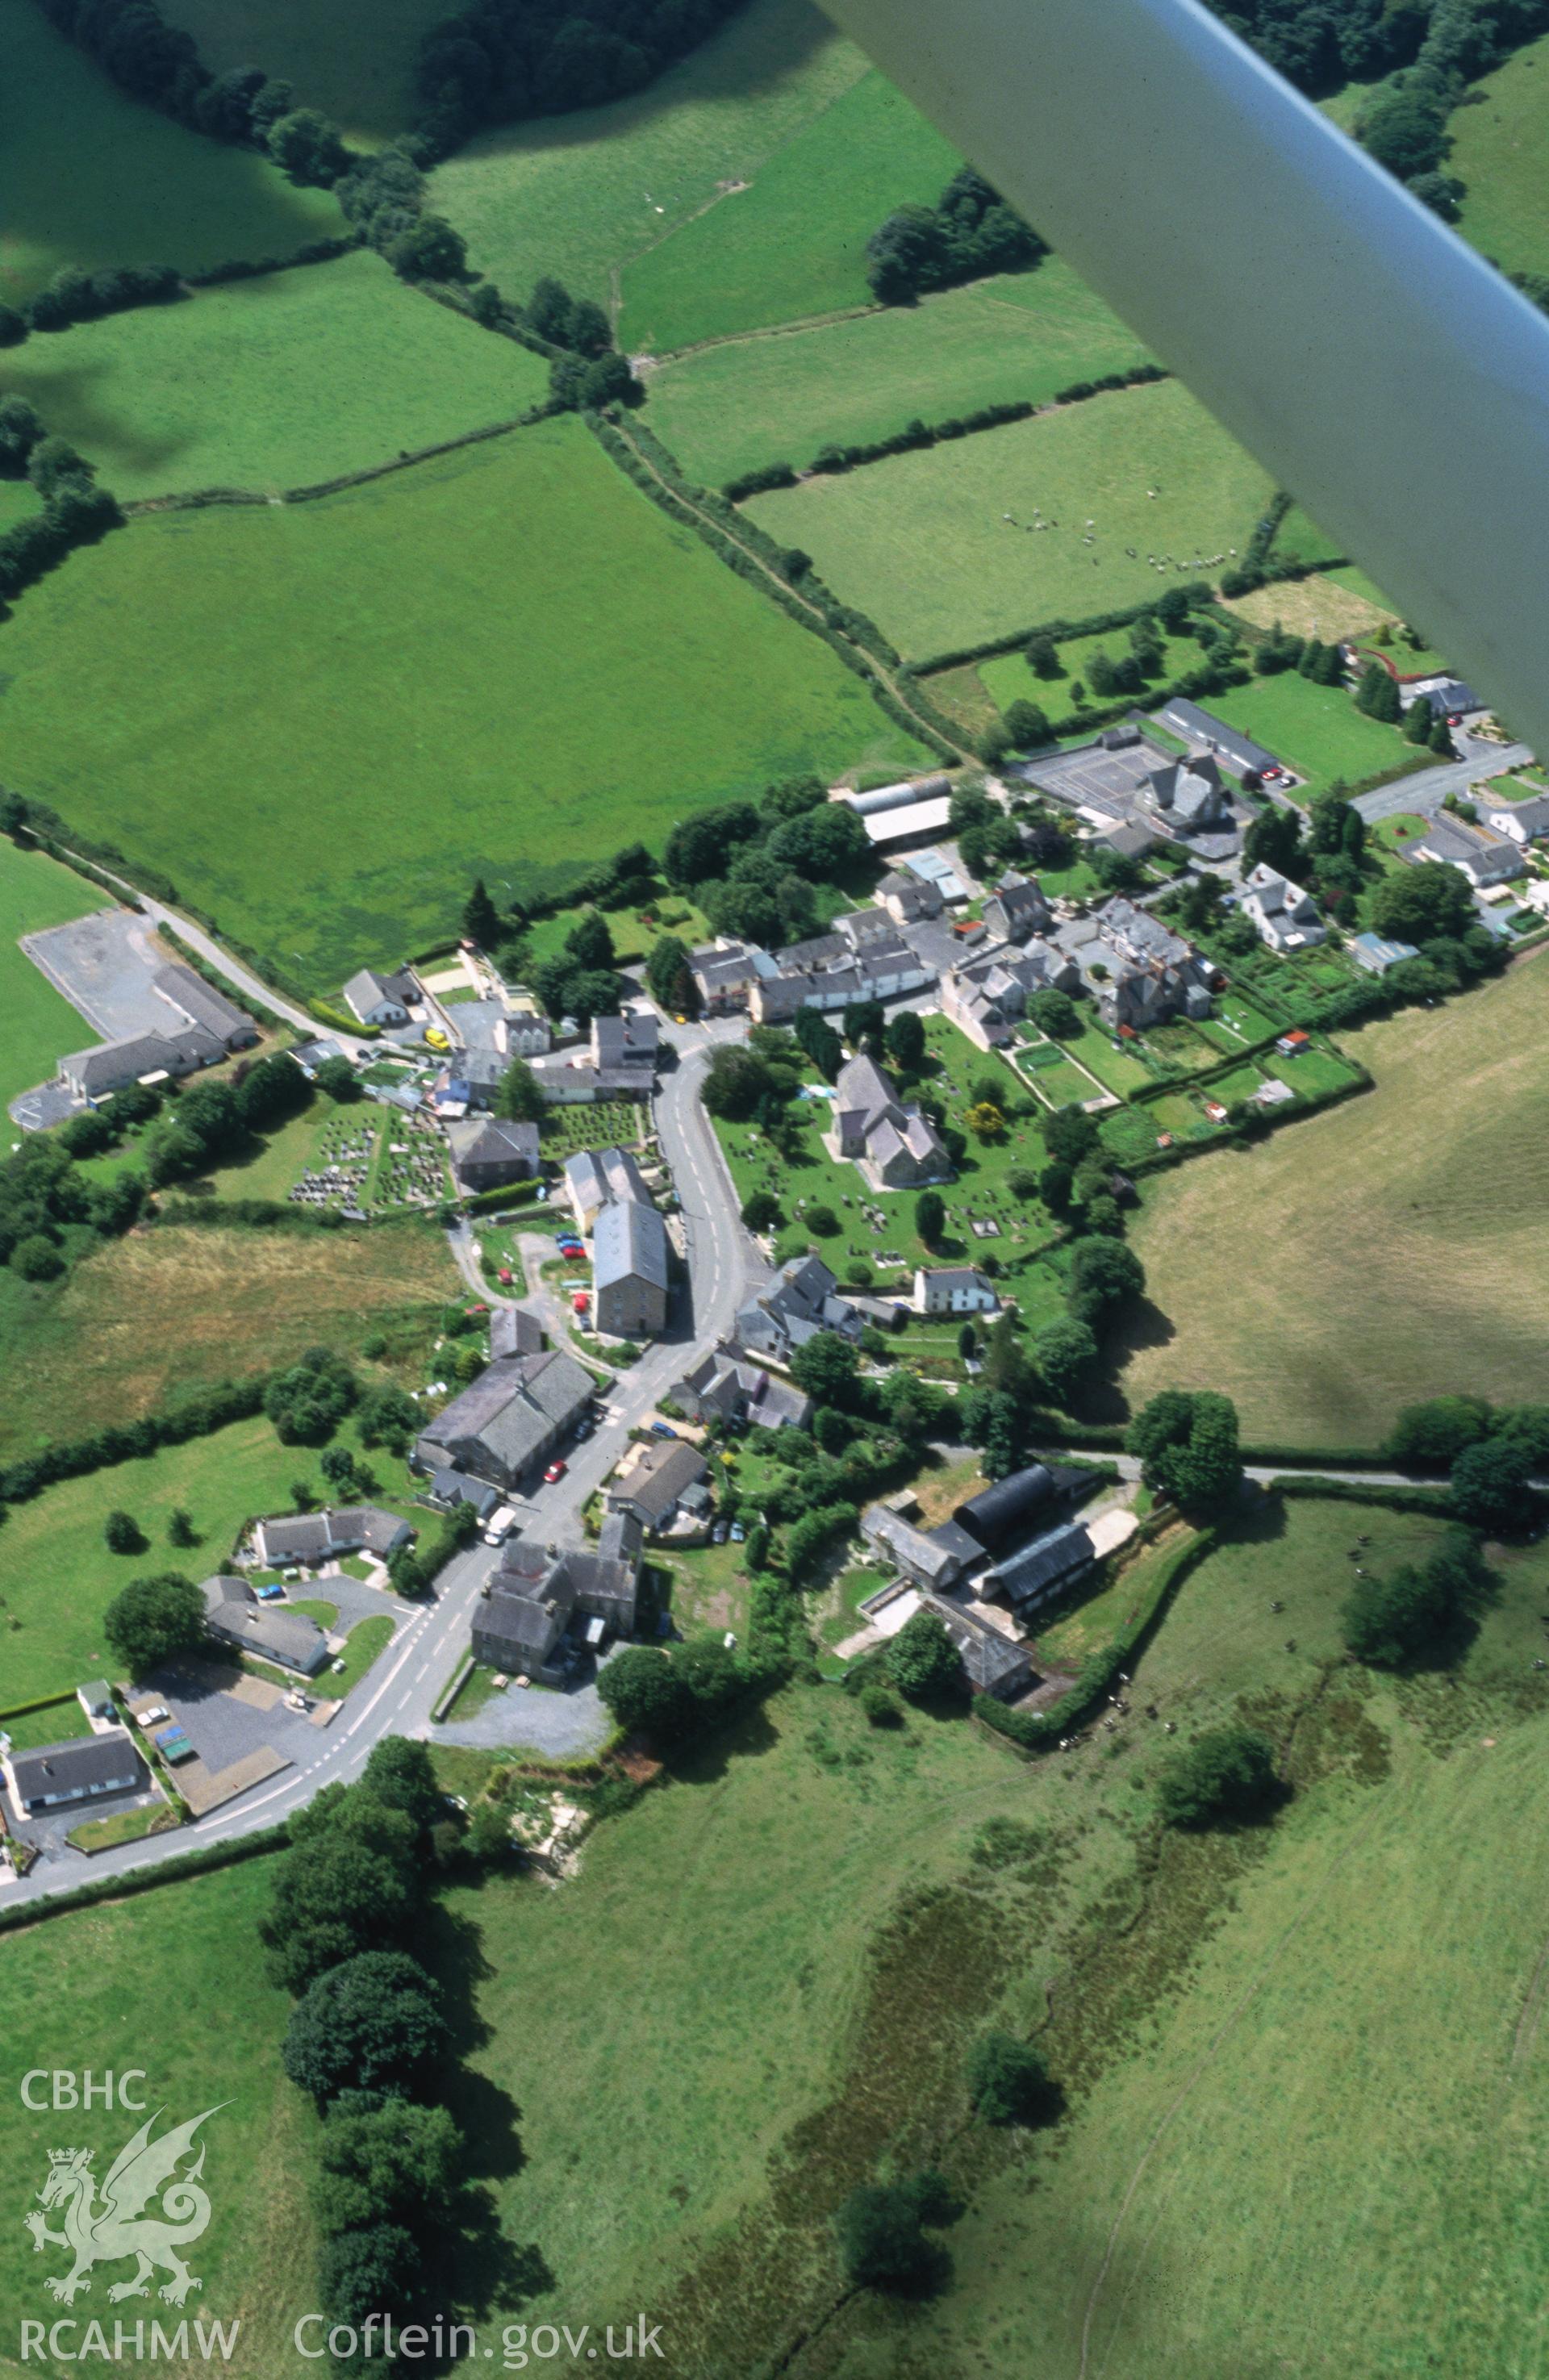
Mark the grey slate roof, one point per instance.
(514, 1408)
(626, 1040)
(514, 1330)
(202, 1004)
(629, 1242)
(659, 1481)
(266, 1629)
(86, 1763)
(494, 1140)
(997, 1512)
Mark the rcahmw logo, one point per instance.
(148, 2208)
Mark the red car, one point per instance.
(556, 1471)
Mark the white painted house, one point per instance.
(953, 1289)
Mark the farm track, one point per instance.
(812, 617)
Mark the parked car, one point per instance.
(154, 1716)
(663, 1429)
(270, 1594)
(738, 1532)
(580, 1301)
(720, 1534)
(556, 1471)
(584, 1428)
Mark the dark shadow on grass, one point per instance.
(707, 1761)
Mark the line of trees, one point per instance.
(369, 2039)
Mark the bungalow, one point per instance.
(83, 1769)
(1281, 913)
(511, 1419)
(233, 1615)
(382, 999)
(308, 1537)
(489, 1152)
(1484, 859)
(1521, 822)
(953, 1289)
(1450, 699)
(447, 1489)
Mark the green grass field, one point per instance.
(794, 243)
(921, 542)
(95, 1348)
(1390, 1250)
(355, 63)
(172, 1982)
(1497, 148)
(578, 195)
(326, 369)
(93, 179)
(40, 1024)
(751, 401)
(440, 675)
(1317, 728)
(57, 1576)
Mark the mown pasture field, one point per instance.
(444, 674)
(794, 243)
(355, 63)
(93, 179)
(578, 195)
(1497, 148)
(40, 1024)
(1392, 1249)
(327, 368)
(921, 542)
(57, 1576)
(730, 407)
(1317, 728)
(172, 1982)
(95, 1348)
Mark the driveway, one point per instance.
(563, 1724)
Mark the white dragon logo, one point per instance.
(119, 2226)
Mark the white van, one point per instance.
(500, 1525)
